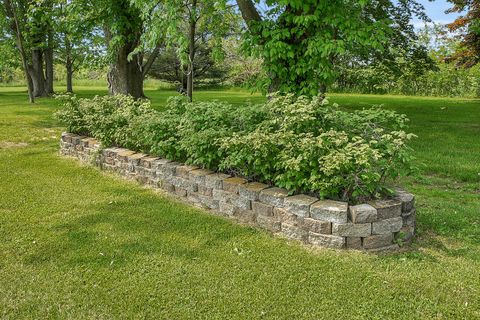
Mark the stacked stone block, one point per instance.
(375, 226)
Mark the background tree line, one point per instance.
(292, 46)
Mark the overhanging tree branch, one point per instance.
(249, 11)
(151, 59)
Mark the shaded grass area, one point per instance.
(78, 243)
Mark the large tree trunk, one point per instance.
(183, 74)
(49, 71)
(126, 77)
(36, 73)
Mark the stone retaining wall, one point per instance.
(377, 226)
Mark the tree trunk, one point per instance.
(126, 77)
(69, 76)
(322, 90)
(69, 64)
(184, 79)
(191, 52)
(48, 55)
(36, 73)
(19, 40)
(248, 10)
(251, 15)
(48, 58)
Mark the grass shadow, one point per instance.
(140, 225)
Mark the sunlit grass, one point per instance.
(78, 243)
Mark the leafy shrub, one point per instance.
(307, 145)
(298, 143)
(110, 119)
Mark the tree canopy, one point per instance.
(301, 42)
(301, 46)
(468, 27)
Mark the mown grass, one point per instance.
(78, 243)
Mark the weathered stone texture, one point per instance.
(387, 209)
(193, 197)
(270, 223)
(147, 162)
(251, 190)
(123, 155)
(226, 207)
(159, 165)
(351, 229)
(299, 204)
(215, 181)
(262, 209)
(287, 217)
(232, 184)
(209, 202)
(354, 243)
(387, 226)
(378, 241)
(167, 186)
(407, 199)
(219, 194)
(241, 203)
(180, 192)
(294, 232)
(245, 216)
(273, 196)
(135, 158)
(362, 213)
(329, 210)
(168, 169)
(184, 170)
(405, 234)
(317, 226)
(205, 191)
(198, 176)
(410, 218)
(328, 241)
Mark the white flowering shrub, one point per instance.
(298, 143)
(306, 145)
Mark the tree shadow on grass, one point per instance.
(140, 223)
(114, 234)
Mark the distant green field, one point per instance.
(79, 243)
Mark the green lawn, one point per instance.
(78, 243)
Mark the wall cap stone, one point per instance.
(362, 213)
(299, 204)
(273, 196)
(330, 210)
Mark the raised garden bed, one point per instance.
(374, 226)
